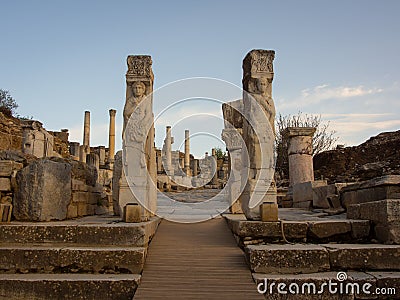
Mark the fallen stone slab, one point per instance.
(287, 259)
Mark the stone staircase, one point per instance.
(310, 250)
(89, 258)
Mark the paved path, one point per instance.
(196, 261)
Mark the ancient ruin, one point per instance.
(77, 221)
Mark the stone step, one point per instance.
(68, 286)
(93, 231)
(314, 230)
(330, 285)
(71, 259)
(310, 258)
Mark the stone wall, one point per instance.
(10, 133)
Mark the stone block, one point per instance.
(72, 211)
(44, 191)
(380, 188)
(78, 185)
(5, 212)
(132, 213)
(360, 229)
(329, 228)
(326, 196)
(7, 167)
(80, 197)
(5, 184)
(269, 212)
(363, 256)
(303, 193)
(287, 259)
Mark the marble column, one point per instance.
(86, 129)
(300, 154)
(214, 157)
(111, 136)
(187, 154)
(168, 151)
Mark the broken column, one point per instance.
(259, 196)
(138, 182)
(301, 172)
(85, 148)
(111, 136)
(300, 154)
(187, 154)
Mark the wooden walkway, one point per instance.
(196, 261)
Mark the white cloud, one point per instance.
(320, 93)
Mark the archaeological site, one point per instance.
(141, 220)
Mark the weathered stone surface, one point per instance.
(7, 167)
(329, 228)
(360, 229)
(364, 256)
(380, 188)
(71, 259)
(5, 184)
(384, 214)
(258, 229)
(269, 212)
(5, 212)
(303, 193)
(97, 230)
(281, 259)
(323, 196)
(44, 191)
(68, 286)
(132, 213)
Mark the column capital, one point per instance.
(299, 131)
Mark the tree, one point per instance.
(7, 103)
(219, 153)
(324, 139)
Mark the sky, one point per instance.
(338, 59)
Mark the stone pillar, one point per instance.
(111, 136)
(138, 182)
(300, 154)
(259, 134)
(86, 129)
(102, 155)
(187, 154)
(195, 171)
(167, 151)
(82, 153)
(234, 143)
(214, 157)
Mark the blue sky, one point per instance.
(335, 58)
